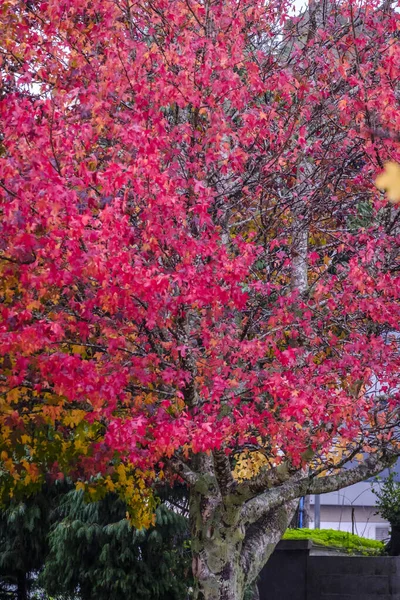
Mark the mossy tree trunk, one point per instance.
(236, 526)
(228, 552)
(217, 540)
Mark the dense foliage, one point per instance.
(23, 545)
(95, 554)
(57, 545)
(388, 499)
(388, 507)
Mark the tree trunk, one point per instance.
(22, 587)
(228, 554)
(217, 540)
(255, 593)
(393, 547)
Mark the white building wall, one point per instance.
(352, 509)
(365, 529)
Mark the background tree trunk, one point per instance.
(22, 587)
(393, 546)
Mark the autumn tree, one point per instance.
(198, 272)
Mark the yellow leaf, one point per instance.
(74, 417)
(110, 485)
(76, 349)
(13, 395)
(81, 446)
(52, 412)
(389, 181)
(34, 305)
(248, 465)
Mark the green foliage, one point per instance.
(95, 554)
(24, 527)
(388, 503)
(336, 539)
(57, 546)
(363, 216)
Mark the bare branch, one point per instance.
(182, 469)
(299, 486)
(261, 538)
(223, 471)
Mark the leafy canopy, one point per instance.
(193, 253)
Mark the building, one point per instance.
(353, 509)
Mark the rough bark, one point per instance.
(262, 537)
(228, 553)
(217, 539)
(22, 587)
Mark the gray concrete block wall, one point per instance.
(292, 574)
(356, 578)
(285, 575)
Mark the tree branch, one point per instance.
(301, 486)
(371, 466)
(223, 471)
(262, 537)
(182, 469)
(268, 477)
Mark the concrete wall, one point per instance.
(284, 577)
(353, 578)
(293, 574)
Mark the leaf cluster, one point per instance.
(388, 503)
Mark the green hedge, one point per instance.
(337, 539)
